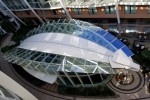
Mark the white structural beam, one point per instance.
(13, 86)
(77, 2)
(72, 45)
(33, 11)
(79, 78)
(117, 12)
(64, 7)
(11, 12)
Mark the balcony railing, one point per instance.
(39, 5)
(17, 7)
(127, 28)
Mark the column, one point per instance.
(117, 14)
(64, 7)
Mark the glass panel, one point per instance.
(77, 69)
(49, 69)
(67, 67)
(101, 32)
(94, 38)
(105, 68)
(112, 10)
(77, 11)
(42, 67)
(102, 42)
(118, 44)
(127, 9)
(107, 10)
(111, 48)
(86, 34)
(109, 37)
(133, 9)
(92, 11)
(127, 51)
(90, 68)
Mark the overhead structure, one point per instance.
(69, 50)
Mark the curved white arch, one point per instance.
(67, 45)
(10, 84)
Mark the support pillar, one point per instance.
(64, 7)
(117, 14)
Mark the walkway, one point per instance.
(137, 89)
(137, 82)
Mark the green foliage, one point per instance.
(146, 54)
(101, 91)
(138, 58)
(146, 57)
(8, 26)
(143, 58)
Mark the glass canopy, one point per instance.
(84, 30)
(50, 63)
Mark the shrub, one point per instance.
(146, 54)
(101, 91)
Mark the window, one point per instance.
(148, 9)
(53, 12)
(110, 10)
(63, 11)
(92, 11)
(27, 12)
(77, 11)
(43, 12)
(130, 9)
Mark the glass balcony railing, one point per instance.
(39, 5)
(17, 7)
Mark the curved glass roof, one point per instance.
(84, 30)
(47, 62)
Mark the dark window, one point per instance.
(75, 80)
(77, 11)
(96, 78)
(43, 12)
(92, 11)
(148, 10)
(110, 10)
(27, 12)
(130, 9)
(53, 12)
(67, 81)
(85, 80)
